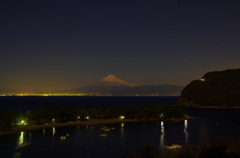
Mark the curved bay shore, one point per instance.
(87, 122)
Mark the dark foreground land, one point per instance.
(54, 116)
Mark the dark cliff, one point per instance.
(219, 88)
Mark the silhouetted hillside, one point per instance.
(220, 88)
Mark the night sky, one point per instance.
(61, 44)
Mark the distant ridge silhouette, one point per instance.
(112, 85)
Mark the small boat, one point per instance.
(174, 146)
(105, 129)
(103, 135)
(63, 137)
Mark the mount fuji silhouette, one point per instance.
(113, 86)
(111, 80)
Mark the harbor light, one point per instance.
(122, 117)
(87, 117)
(202, 79)
(22, 122)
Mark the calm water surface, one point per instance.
(22, 104)
(85, 141)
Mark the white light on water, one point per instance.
(162, 135)
(54, 131)
(185, 131)
(162, 123)
(185, 123)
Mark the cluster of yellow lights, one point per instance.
(76, 94)
(44, 94)
(73, 94)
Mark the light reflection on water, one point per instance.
(185, 131)
(53, 133)
(122, 131)
(20, 139)
(162, 136)
(79, 130)
(162, 144)
(44, 132)
(122, 138)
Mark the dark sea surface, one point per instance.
(22, 104)
(85, 141)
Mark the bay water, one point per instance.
(121, 138)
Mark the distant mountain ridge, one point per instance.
(112, 85)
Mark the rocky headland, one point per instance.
(214, 89)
